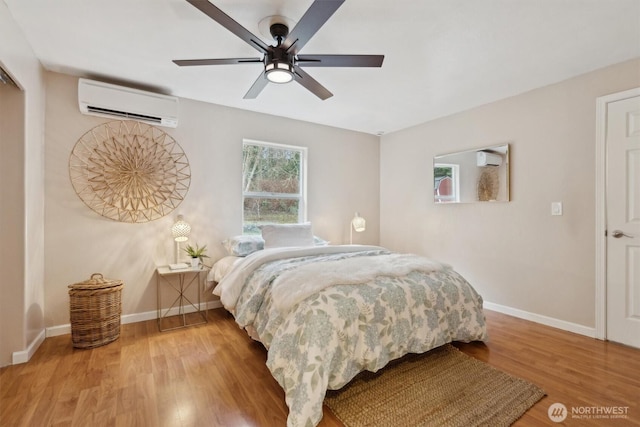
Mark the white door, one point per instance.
(623, 221)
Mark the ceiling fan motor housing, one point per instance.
(279, 55)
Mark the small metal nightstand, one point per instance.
(182, 309)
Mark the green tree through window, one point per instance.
(272, 184)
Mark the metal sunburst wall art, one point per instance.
(129, 171)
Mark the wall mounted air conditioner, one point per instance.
(108, 100)
(488, 159)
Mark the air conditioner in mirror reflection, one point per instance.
(484, 158)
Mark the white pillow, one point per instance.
(283, 235)
(222, 267)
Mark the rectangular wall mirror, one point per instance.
(480, 175)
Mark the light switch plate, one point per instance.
(556, 208)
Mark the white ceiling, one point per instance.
(441, 56)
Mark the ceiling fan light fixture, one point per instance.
(279, 72)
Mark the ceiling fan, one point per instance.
(282, 62)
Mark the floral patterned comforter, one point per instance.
(326, 339)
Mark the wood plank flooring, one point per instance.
(214, 375)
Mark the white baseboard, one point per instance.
(544, 320)
(23, 356)
(54, 331)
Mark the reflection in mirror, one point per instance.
(480, 175)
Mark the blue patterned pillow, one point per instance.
(243, 245)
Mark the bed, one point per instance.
(327, 312)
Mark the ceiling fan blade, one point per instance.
(257, 87)
(192, 62)
(317, 14)
(340, 60)
(226, 21)
(311, 84)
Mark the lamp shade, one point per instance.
(180, 230)
(358, 223)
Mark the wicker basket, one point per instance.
(95, 308)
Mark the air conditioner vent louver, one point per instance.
(108, 100)
(134, 116)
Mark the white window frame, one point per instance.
(455, 182)
(301, 196)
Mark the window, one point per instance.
(273, 185)
(446, 183)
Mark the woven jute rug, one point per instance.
(443, 387)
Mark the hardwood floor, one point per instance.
(214, 375)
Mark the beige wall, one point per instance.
(516, 254)
(22, 202)
(342, 178)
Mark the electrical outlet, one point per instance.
(556, 208)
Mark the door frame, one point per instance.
(601, 206)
